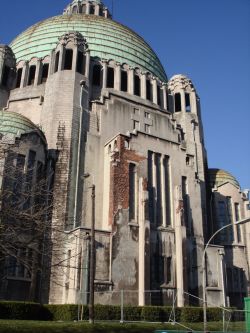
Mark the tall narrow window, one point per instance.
(237, 218)
(167, 190)
(92, 10)
(132, 191)
(19, 77)
(148, 90)
(169, 270)
(110, 77)
(96, 79)
(177, 102)
(57, 61)
(80, 67)
(187, 101)
(124, 81)
(5, 78)
(45, 73)
(230, 237)
(158, 190)
(74, 11)
(185, 201)
(150, 188)
(137, 85)
(32, 74)
(84, 9)
(158, 95)
(68, 59)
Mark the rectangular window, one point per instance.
(5, 77)
(32, 73)
(19, 77)
(237, 218)
(96, 78)
(230, 233)
(148, 90)
(167, 190)
(45, 73)
(158, 95)
(110, 77)
(187, 101)
(185, 202)
(68, 59)
(158, 189)
(124, 81)
(80, 67)
(147, 115)
(57, 61)
(132, 191)
(137, 85)
(136, 125)
(147, 128)
(177, 102)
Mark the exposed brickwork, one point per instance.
(119, 176)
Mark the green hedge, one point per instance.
(21, 310)
(71, 312)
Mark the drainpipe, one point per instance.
(82, 84)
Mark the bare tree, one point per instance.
(25, 216)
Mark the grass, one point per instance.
(13, 326)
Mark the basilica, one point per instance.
(93, 132)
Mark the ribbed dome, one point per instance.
(16, 124)
(106, 38)
(219, 177)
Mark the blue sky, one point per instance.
(207, 40)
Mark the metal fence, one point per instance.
(127, 301)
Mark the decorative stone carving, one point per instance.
(75, 37)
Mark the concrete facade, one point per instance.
(140, 139)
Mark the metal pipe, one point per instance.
(204, 267)
(92, 262)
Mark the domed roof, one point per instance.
(219, 177)
(106, 39)
(16, 124)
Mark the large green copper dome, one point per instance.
(16, 124)
(106, 38)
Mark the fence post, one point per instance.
(122, 306)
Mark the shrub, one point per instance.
(65, 312)
(132, 313)
(191, 314)
(20, 310)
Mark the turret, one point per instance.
(7, 73)
(88, 7)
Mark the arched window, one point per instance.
(74, 11)
(96, 79)
(124, 81)
(57, 61)
(110, 77)
(19, 77)
(45, 73)
(68, 59)
(32, 73)
(177, 102)
(137, 85)
(80, 67)
(148, 90)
